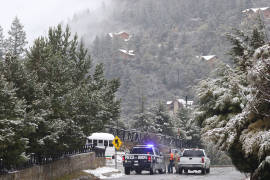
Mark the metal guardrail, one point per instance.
(137, 136)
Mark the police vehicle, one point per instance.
(144, 157)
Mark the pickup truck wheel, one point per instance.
(127, 171)
(203, 170)
(180, 170)
(138, 171)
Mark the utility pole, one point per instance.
(115, 157)
(186, 101)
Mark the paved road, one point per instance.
(224, 173)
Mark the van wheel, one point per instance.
(127, 171)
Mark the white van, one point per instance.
(102, 140)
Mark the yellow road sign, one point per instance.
(117, 142)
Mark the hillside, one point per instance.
(166, 37)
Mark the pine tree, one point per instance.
(70, 103)
(183, 123)
(187, 127)
(161, 120)
(233, 107)
(13, 143)
(2, 45)
(245, 44)
(15, 44)
(14, 72)
(258, 112)
(143, 122)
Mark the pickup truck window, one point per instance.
(193, 153)
(142, 151)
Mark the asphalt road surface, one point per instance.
(221, 173)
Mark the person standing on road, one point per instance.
(170, 167)
(176, 160)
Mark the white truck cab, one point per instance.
(193, 159)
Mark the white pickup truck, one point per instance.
(193, 159)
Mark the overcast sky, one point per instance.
(38, 15)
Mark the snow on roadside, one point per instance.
(105, 172)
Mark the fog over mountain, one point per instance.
(38, 16)
(166, 38)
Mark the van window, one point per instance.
(106, 143)
(95, 142)
(90, 141)
(100, 143)
(110, 143)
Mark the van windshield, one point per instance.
(193, 153)
(142, 150)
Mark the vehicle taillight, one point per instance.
(202, 159)
(148, 158)
(178, 159)
(123, 158)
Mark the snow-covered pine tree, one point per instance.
(183, 123)
(143, 122)
(13, 129)
(14, 72)
(2, 45)
(70, 102)
(161, 120)
(16, 41)
(234, 110)
(255, 139)
(219, 101)
(187, 125)
(245, 44)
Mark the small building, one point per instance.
(212, 60)
(265, 12)
(122, 34)
(177, 104)
(209, 58)
(126, 53)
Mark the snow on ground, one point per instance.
(105, 172)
